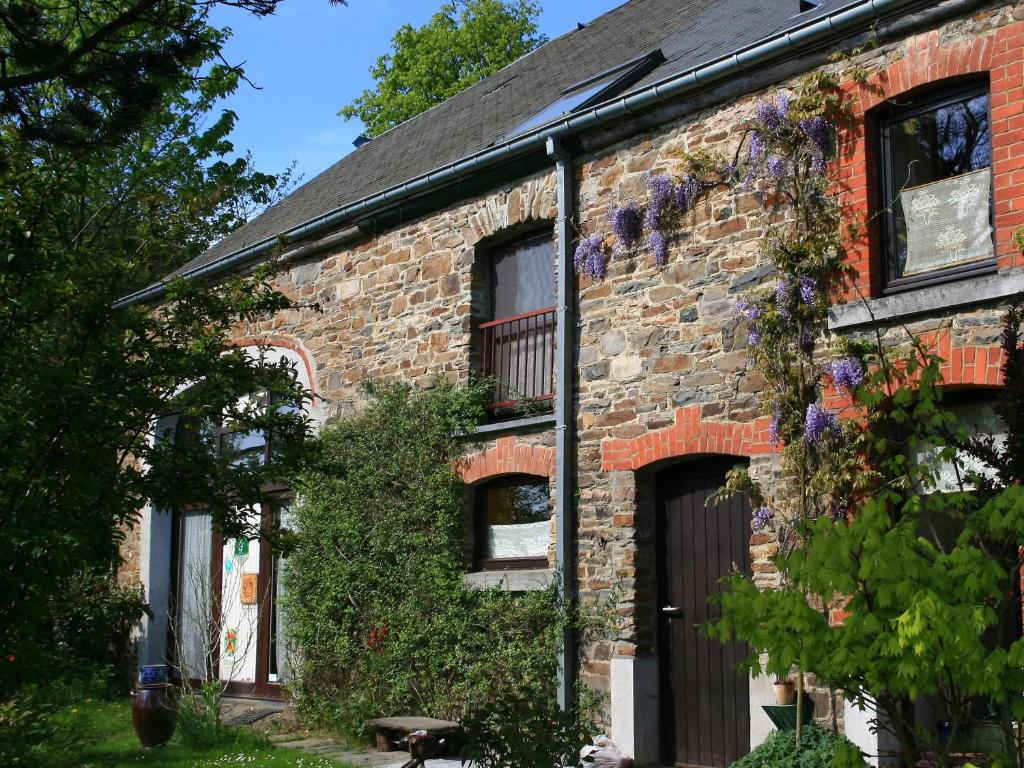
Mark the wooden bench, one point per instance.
(392, 729)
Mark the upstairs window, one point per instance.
(518, 341)
(513, 523)
(936, 173)
(239, 445)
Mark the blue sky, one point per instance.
(311, 58)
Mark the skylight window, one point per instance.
(593, 90)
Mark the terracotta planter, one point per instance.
(785, 692)
(153, 714)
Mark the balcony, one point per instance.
(519, 354)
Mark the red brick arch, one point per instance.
(968, 365)
(924, 60)
(690, 435)
(507, 457)
(294, 346)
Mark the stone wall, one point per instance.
(660, 353)
(663, 370)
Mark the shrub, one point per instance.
(199, 726)
(817, 749)
(379, 614)
(527, 732)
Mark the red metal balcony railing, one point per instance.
(519, 354)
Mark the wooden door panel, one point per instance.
(706, 707)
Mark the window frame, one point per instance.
(931, 99)
(480, 526)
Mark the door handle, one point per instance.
(671, 610)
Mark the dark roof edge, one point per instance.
(814, 32)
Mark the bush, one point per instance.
(817, 749)
(36, 727)
(379, 614)
(527, 732)
(199, 726)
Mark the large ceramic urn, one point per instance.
(153, 714)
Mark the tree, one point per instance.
(111, 60)
(82, 384)
(464, 42)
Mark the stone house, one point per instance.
(444, 246)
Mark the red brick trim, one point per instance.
(507, 457)
(294, 346)
(979, 365)
(923, 61)
(689, 435)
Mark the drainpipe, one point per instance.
(565, 377)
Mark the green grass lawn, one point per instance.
(100, 735)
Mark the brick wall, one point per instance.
(990, 44)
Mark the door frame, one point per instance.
(261, 687)
(666, 720)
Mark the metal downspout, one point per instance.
(566, 383)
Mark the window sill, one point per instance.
(532, 580)
(541, 420)
(930, 299)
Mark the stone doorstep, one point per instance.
(322, 747)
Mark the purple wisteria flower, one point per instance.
(847, 373)
(818, 131)
(818, 423)
(589, 257)
(687, 192)
(783, 105)
(661, 191)
(761, 518)
(658, 247)
(754, 336)
(808, 289)
(756, 145)
(748, 309)
(782, 297)
(768, 115)
(626, 222)
(776, 168)
(775, 426)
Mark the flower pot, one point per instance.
(785, 692)
(153, 714)
(987, 738)
(153, 674)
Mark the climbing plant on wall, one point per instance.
(928, 580)
(378, 611)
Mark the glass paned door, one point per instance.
(193, 614)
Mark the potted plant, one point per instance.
(785, 691)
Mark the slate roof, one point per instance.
(688, 33)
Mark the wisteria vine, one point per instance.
(666, 200)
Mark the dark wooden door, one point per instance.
(705, 702)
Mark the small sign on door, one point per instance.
(249, 588)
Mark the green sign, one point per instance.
(241, 547)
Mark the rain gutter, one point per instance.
(811, 34)
(565, 372)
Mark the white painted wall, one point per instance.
(635, 709)
(761, 692)
(155, 569)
